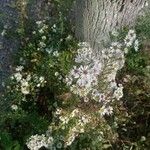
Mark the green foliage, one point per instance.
(127, 129)
(134, 132)
(143, 26)
(137, 62)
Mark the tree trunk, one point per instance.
(95, 19)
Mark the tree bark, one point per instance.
(95, 19)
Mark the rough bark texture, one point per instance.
(96, 18)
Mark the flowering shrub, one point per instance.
(62, 95)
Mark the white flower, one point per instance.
(41, 79)
(126, 50)
(115, 33)
(14, 107)
(68, 81)
(84, 71)
(35, 142)
(18, 76)
(129, 39)
(56, 74)
(113, 84)
(50, 140)
(19, 68)
(136, 45)
(106, 110)
(59, 145)
(112, 76)
(102, 97)
(74, 89)
(55, 53)
(95, 92)
(69, 37)
(64, 119)
(42, 44)
(75, 72)
(84, 55)
(3, 32)
(49, 50)
(25, 89)
(97, 67)
(85, 119)
(83, 44)
(118, 92)
(86, 99)
(39, 22)
(34, 32)
(132, 34)
(58, 111)
(74, 113)
(28, 77)
(43, 37)
(115, 46)
(41, 31)
(70, 140)
(83, 92)
(81, 82)
(128, 42)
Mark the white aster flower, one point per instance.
(136, 45)
(97, 67)
(116, 46)
(132, 34)
(35, 142)
(74, 113)
(74, 89)
(102, 97)
(70, 140)
(43, 37)
(28, 77)
(68, 81)
(75, 72)
(14, 107)
(129, 39)
(41, 31)
(42, 44)
(25, 88)
(58, 111)
(106, 110)
(59, 145)
(86, 99)
(18, 76)
(41, 79)
(84, 71)
(115, 33)
(118, 92)
(83, 92)
(55, 53)
(19, 68)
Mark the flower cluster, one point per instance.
(94, 77)
(93, 80)
(80, 120)
(84, 76)
(42, 32)
(35, 142)
(130, 39)
(27, 82)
